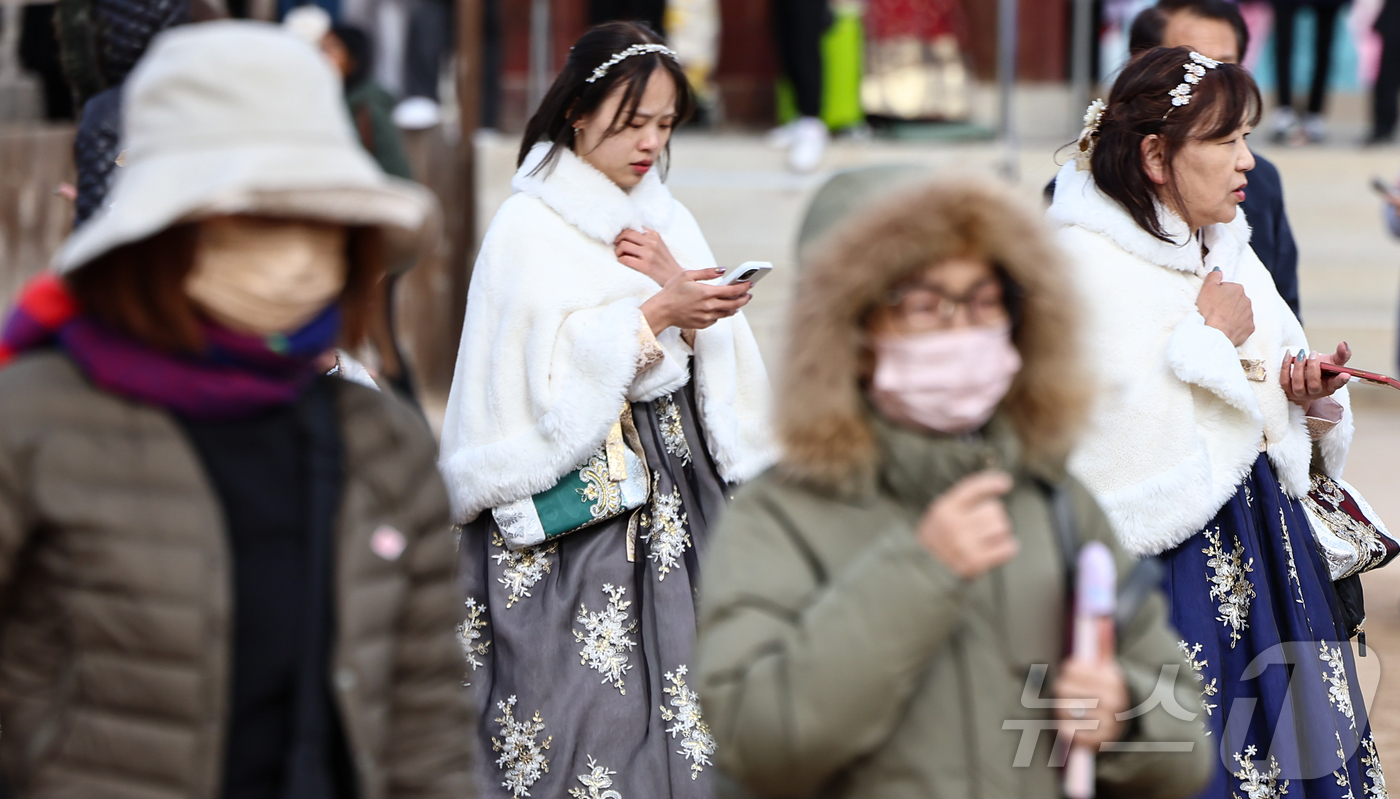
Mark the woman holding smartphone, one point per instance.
(596, 366)
(1211, 416)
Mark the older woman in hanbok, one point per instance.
(1212, 414)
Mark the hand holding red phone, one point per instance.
(1302, 378)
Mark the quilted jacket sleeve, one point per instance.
(430, 735)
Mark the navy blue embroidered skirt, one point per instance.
(1253, 602)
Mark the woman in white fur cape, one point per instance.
(1210, 418)
(581, 306)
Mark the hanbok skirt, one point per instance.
(1253, 602)
(578, 657)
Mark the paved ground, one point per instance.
(750, 209)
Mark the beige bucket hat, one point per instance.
(237, 117)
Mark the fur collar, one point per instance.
(588, 200)
(1078, 201)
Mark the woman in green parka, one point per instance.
(877, 604)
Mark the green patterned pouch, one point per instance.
(612, 482)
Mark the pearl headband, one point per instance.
(636, 49)
(1181, 95)
(1195, 70)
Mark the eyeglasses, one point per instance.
(919, 307)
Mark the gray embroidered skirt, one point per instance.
(577, 657)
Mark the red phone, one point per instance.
(1360, 374)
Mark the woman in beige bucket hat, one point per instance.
(230, 576)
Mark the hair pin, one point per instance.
(1093, 118)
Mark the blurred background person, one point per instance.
(430, 41)
(100, 42)
(234, 575)
(1212, 414)
(1214, 28)
(651, 13)
(1385, 95)
(798, 26)
(1289, 125)
(371, 108)
(874, 605)
(605, 401)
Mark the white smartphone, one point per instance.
(747, 272)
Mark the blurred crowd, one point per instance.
(1036, 502)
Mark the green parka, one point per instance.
(837, 657)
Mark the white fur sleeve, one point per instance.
(1201, 355)
(668, 374)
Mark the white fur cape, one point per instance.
(551, 342)
(1177, 425)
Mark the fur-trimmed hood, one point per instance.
(825, 428)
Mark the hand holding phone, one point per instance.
(748, 272)
(1386, 190)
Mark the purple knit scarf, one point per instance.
(237, 375)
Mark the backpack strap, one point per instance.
(1132, 591)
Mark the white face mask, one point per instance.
(266, 277)
(947, 381)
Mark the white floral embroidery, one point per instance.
(1230, 583)
(1338, 692)
(524, 567)
(1292, 565)
(1340, 775)
(597, 781)
(521, 755)
(668, 537)
(696, 742)
(1372, 761)
(1208, 689)
(1255, 783)
(604, 639)
(469, 633)
(672, 432)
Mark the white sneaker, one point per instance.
(1285, 120)
(417, 113)
(1314, 129)
(780, 138)
(809, 138)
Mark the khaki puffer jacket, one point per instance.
(116, 600)
(837, 657)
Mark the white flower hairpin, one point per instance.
(1195, 70)
(634, 50)
(1093, 117)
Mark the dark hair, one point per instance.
(572, 97)
(1140, 105)
(1148, 30)
(139, 288)
(1150, 26)
(361, 51)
